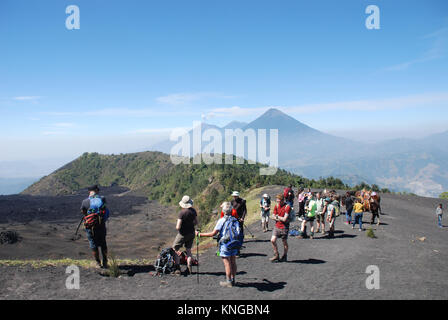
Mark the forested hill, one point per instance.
(153, 174)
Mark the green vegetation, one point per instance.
(114, 267)
(83, 263)
(154, 174)
(444, 195)
(370, 233)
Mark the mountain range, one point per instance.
(419, 166)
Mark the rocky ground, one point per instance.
(409, 250)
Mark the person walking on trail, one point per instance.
(358, 208)
(227, 255)
(310, 216)
(301, 200)
(320, 213)
(239, 204)
(95, 216)
(439, 213)
(265, 206)
(185, 225)
(374, 207)
(349, 208)
(281, 229)
(288, 194)
(331, 216)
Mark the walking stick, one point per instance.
(74, 237)
(197, 256)
(248, 230)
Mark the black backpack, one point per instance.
(165, 262)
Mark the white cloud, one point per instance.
(185, 98)
(27, 98)
(438, 49)
(423, 100)
(64, 125)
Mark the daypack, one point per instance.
(96, 214)
(337, 210)
(165, 262)
(230, 235)
(291, 215)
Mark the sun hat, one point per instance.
(265, 195)
(186, 202)
(235, 194)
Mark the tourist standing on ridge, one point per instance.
(439, 213)
(349, 208)
(227, 254)
(239, 204)
(95, 216)
(186, 222)
(281, 229)
(265, 206)
(320, 213)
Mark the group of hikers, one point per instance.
(323, 207)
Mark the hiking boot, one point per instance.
(226, 284)
(177, 272)
(284, 258)
(274, 259)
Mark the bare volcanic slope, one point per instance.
(409, 251)
(46, 225)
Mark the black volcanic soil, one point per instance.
(321, 268)
(46, 225)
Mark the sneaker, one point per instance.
(226, 284)
(274, 259)
(353, 227)
(360, 229)
(311, 237)
(284, 258)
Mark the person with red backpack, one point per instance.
(95, 216)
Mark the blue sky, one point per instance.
(136, 69)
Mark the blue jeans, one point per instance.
(358, 219)
(439, 220)
(348, 215)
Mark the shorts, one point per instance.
(97, 238)
(181, 240)
(310, 219)
(320, 217)
(227, 253)
(264, 215)
(280, 233)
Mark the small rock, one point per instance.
(422, 239)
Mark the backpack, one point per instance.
(231, 236)
(337, 210)
(165, 262)
(96, 214)
(291, 215)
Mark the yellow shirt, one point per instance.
(358, 207)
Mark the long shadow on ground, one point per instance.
(308, 261)
(266, 285)
(245, 255)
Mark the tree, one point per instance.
(444, 195)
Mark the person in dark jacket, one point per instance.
(348, 202)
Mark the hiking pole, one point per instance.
(78, 227)
(245, 226)
(197, 255)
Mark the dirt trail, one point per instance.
(321, 268)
